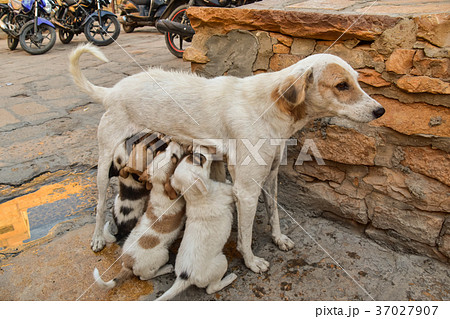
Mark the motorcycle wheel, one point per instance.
(12, 42)
(65, 36)
(37, 43)
(128, 28)
(174, 42)
(102, 35)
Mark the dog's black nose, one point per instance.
(378, 112)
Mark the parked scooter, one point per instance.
(177, 28)
(73, 17)
(24, 21)
(140, 13)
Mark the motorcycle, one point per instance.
(73, 17)
(140, 13)
(24, 22)
(177, 28)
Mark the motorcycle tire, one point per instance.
(12, 42)
(36, 43)
(174, 42)
(128, 28)
(65, 36)
(102, 36)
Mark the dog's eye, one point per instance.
(343, 86)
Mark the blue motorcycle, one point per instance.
(25, 22)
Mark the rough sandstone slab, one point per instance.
(386, 213)
(437, 68)
(352, 56)
(402, 35)
(422, 84)
(413, 118)
(434, 28)
(344, 145)
(292, 23)
(429, 162)
(372, 77)
(281, 48)
(411, 189)
(303, 47)
(400, 61)
(281, 61)
(194, 55)
(264, 52)
(284, 39)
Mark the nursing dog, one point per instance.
(244, 110)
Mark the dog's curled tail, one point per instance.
(123, 275)
(96, 92)
(178, 286)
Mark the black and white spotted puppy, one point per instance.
(134, 190)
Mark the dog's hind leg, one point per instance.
(98, 240)
(218, 268)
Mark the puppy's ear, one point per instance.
(200, 185)
(148, 185)
(169, 191)
(124, 173)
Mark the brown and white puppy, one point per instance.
(245, 110)
(134, 190)
(146, 250)
(209, 211)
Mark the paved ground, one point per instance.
(47, 181)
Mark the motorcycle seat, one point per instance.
(15, 4)
(69, 2)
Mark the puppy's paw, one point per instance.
(284, 242)
(98, 243)
(257, 264)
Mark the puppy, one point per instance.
(134, 190)
(209, 208)
(145, 252)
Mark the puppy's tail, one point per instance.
(123, 275)
(96, 92)
(109, 236)
(178, 286)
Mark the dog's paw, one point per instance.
(258, 265)
(284, 242)
(98, 243)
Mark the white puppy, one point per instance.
(209, 207)
(146, 250)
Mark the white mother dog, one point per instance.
(265, 106)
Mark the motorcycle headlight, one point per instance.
(48, 7)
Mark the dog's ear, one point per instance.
(200, 185)
(293, 89)
(169, 191)
(148, 185)
(124, 173)
(290, 94)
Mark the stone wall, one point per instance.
(392, 176)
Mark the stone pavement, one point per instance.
(47, 154)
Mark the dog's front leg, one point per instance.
(246, 195)
(270, 190)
